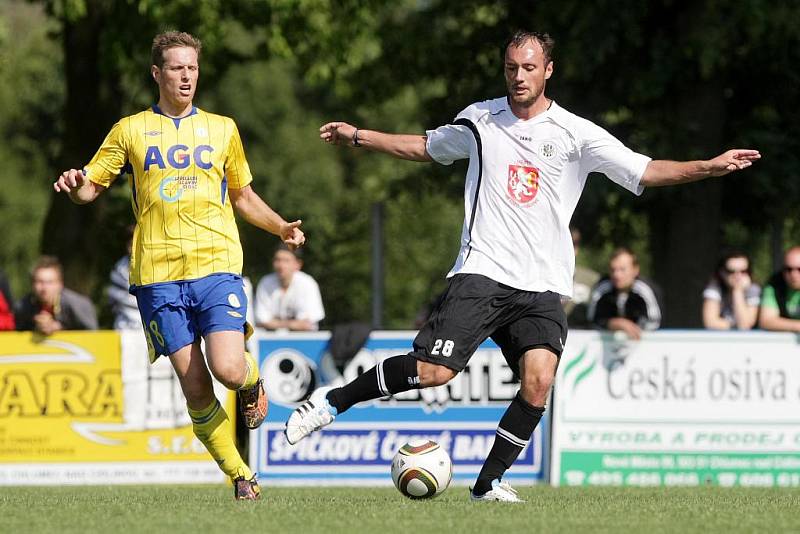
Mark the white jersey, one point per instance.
(301, 300)
(524, 180)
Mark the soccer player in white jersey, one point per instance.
(528, 163)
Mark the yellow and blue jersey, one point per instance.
(180, 173)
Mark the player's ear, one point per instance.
(548, 70)
(154, 72)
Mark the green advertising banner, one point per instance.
(680, 408)
(685, 469)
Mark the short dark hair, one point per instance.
(621, 251)
(172, 39)
(520, 37)
(48, 262)
(296, 252)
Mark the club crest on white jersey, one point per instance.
(523, 184)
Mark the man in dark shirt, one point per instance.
(50, 307)
(623, 301)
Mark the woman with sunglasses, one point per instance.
(730, 300)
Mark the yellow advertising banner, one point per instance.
(83, 407)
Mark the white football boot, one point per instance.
(310, 416)
(500, 492)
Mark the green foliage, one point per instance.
(670, 79)
(30, 97)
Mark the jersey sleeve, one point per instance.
(452, 141)
(237, 171)
(604, 153)
(448, 143)
(108, 162)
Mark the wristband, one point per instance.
(355, 138)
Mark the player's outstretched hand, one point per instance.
(292, 235)
(733, 160)
(69, 180)
(337, 133)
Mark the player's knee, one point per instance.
(431, 374)
(230, 372)
(537, 382)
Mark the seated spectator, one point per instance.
(623, 301)
(123, 304)
(780, 301)
(51, 307)
(6, 304)
(288, 299)
(583, 280)
(730, 300)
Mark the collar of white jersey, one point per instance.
(554, 112)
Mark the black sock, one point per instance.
(513, 433)
(392, 375)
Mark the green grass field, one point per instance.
(200, 509)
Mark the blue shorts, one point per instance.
(176, 314)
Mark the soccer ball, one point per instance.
(421, 469)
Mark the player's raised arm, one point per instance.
(403, 146)
(80, 190)
(258, 213)
(663, 172)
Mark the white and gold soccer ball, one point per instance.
(421, 469)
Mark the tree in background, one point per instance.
(670, 79)
(31, 98)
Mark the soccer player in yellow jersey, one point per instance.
(188, 173)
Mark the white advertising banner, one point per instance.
(678, 408)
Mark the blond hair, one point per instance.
(172, 39)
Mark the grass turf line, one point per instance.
(200, 509)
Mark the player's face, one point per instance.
(47, 284)
(526, 72)
(791, 269)
(177, 78)
(623, 272)
(285, 264)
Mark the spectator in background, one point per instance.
(123, 304)
(6, 304)
(288, 299)
(583, 280)
(730, 300)
(51, 307)
(780, 301)
(623, 301)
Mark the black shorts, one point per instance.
(474, 307)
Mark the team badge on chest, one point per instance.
(547, 150)
(523, 184)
